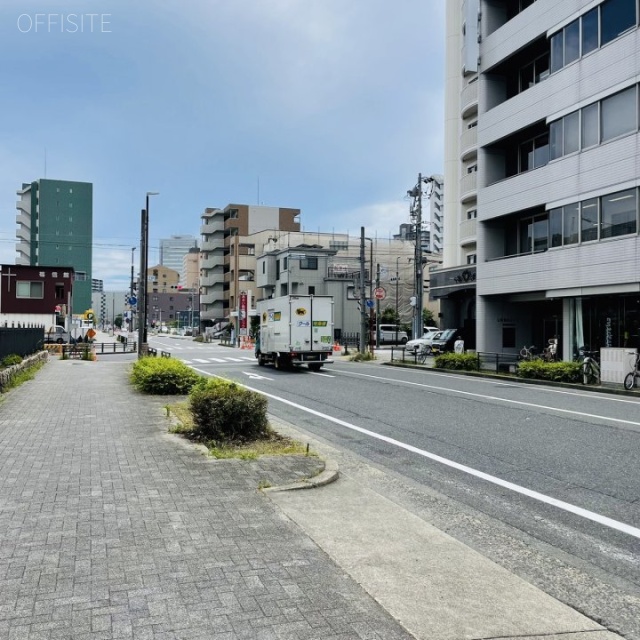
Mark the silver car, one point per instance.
(423, 341)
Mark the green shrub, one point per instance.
(163, 376)
(224, 412)
(10, 360)
(555, 371)
(457, 361)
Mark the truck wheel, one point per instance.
(315, 367)
(261, 361)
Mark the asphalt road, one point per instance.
(543, 480)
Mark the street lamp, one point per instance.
(144, 264)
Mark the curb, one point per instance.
(329, 475)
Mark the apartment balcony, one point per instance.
(23, 218)
(24, 234)
(210, 280)
(212, 262)
(209, 243)
(469, 143)
(469, 187)
(469, 100)
(467, 232)
(212, 225)
(212, 298)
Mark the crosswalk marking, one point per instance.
(217, 360)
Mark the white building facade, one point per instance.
(551, 169)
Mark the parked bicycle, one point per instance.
(550, 352)
(632, 379)
(422, 352)
(529, 353)
(590, 366)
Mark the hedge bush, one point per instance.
(163, 376)
(457, 361)
(10, 360)
(225, 412)
(556, 371)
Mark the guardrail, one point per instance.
(154, 352)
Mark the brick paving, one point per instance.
(111, 529)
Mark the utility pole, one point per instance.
(131, 307)
(142, 288)
(363, 301)
(377, 307)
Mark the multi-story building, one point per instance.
(541, 172)
(190, 273)
(173, 250)
(55, 228)
(162, 279)
(227, 260)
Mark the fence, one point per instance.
(486, 361)
(22, 341)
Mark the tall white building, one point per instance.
(436, 214)
(174, 249)
(542, 170)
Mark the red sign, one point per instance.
(243, 313)
(379, 293)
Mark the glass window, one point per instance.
(555, 227)
(540, 233)
(555, 139)
(572, 42)
(541, 68)
(616, 16)
(572, 133)
(541, 151)
(589, 220)
(557, 48)
(526, 77)
(590, 126)
(309, 263)
(618, 214)
(25, 289)
(526, 235)
(619, 114)
(570, 226)
(590, 31)
(526, 156)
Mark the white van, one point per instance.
(391, 334)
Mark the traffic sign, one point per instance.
(370, 304)
(380, 293)
(133, 301)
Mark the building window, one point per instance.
(59, 292)
(285, 264)
(312, 291)
(26, 289)
(309, 263)
(472, 169)
(592, 30)
(472, 214)
(619, 114)
(618, 214)
(616, 17)
(471, 258)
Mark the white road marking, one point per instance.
(200, 360)
(560, 504)
(255, 376)
(324, 375)
(234, 359)
(484, 396)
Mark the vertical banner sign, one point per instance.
(243, 313)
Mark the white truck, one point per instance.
(295, 330)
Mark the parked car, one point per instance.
(57, 335)
(446, 340)
(390, 334)
(424, 340)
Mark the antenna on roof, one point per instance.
(45, 162)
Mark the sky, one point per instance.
(329, 106)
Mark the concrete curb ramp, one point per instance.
(329, 475)
(435, 586)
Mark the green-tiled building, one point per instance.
(55, 227)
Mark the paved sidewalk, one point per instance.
(110, 528)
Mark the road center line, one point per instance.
(560, 504)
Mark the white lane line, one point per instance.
(234, 359)
(217, 359)
(324, 375)
(250, 359)
(541, 497)
(200, 360)
(496, 398)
